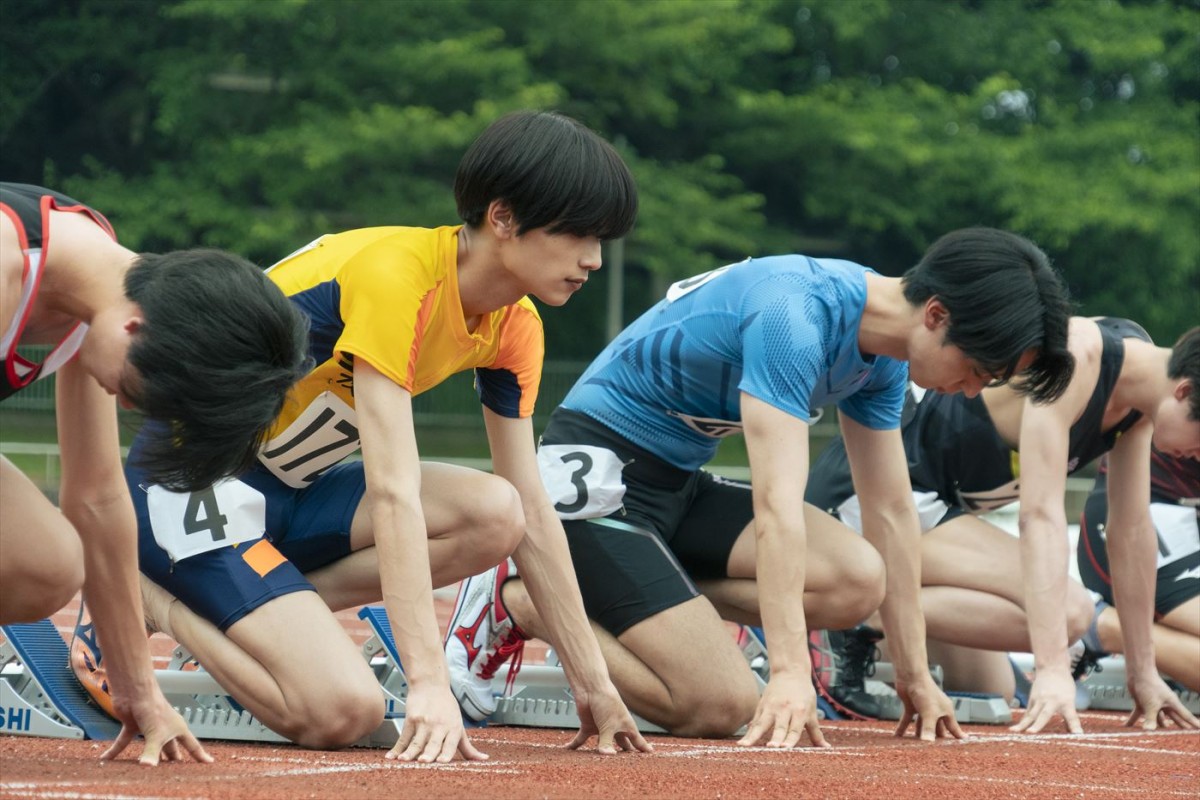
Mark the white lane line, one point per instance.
(1081, 737)
(330, 767)
(59, 791)
(760, 751)
(290, 773)
(1008, 736)
(1126, 748)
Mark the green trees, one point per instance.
(857, 128)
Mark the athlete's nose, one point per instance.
(592, 257)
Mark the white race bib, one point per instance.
(1177, 532)
(583, 481)
(186, 524)
(320, 437)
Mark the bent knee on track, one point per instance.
(338, 719)
(713, 708)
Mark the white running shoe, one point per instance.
(481, 637)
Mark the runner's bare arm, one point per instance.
(433, 727)
(544, 563)
(95, 499)
(777, 444)
(879, 470)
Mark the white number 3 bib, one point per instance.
(186, 524)
(583, 482)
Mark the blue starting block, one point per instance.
(39, 695)
(381, 653)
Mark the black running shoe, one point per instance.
(1084, 660)
(842, 661)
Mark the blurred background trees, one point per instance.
(862, 129)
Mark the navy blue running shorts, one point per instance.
(227, 550)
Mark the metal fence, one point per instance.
(453, 403)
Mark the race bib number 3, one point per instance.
(186, 524)
(583, 482)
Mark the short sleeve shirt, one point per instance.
(390, 296)
(783, 329)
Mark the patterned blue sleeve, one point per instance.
(784, 352)
(878, 404)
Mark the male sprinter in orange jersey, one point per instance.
(395, 311)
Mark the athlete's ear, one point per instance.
(936, 314)
(133, 325)
(1183, 390)
(501, 219)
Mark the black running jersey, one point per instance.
(1172, 480)
(29, 207)
(953, 448)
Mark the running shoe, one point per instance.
(481, 638)
(87, 662)
(1084, 660)
(841, 663)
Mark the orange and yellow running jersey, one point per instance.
(390, 296)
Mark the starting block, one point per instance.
(1104, 689)
(39, 695)
(974, 708)
(541, 696)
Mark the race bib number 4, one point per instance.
(186, 524)
(583, 482)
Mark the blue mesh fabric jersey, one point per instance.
(783, 329)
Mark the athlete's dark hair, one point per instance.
(553, 172)
(1004, 298)
(1185, 363)
(219, 348)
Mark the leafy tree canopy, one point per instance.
(862, 129)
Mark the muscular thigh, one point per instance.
(452, 498)
(668, 643)
(268, 633)
(970, 553)
(1184, 617)
(33, 533)
(831, 548)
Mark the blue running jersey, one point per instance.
(783, 329)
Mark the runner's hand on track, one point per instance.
(787, 709)
(433, 728)
(1052, 694)
(930, 709)
(160, 725)
(603, 713)
(1154, 699)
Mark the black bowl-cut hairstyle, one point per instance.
(1004, 299)
(554, 173)
(1185, 363)
(218, 350)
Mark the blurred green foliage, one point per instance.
(857, 128)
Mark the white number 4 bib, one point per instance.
(186, 524)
